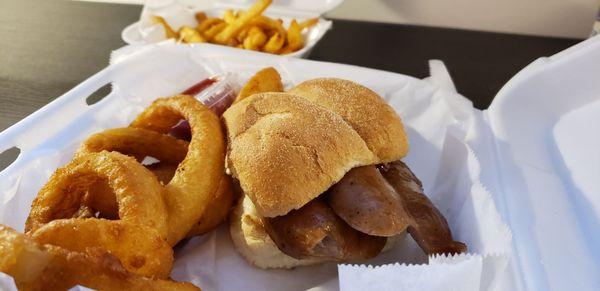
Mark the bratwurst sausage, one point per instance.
(314, 231)
(353, 218)
(387, 200)
(429, 228)
(368, 203)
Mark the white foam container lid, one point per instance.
(180, 12)
(555, 225)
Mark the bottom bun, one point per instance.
(254, 244)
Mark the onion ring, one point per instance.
(164, 172)
(141, 209)
(140, 249)
(199, 174)
(138, 192)
(136, 142)
(46, 267)
(218, 207)
(140, 143)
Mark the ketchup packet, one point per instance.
(218, 92)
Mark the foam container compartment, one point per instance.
(181, 12)
(505, 178)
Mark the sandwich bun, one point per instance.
(254, 244)
(370, 115)
(285, 151)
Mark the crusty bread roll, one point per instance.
(252, 241)
(254, 244)
(285, 151)
(372, 118)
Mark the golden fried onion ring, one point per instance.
(45, 267)
(141, 211)
(138, 192)
(198, 176)
(219, 205)
(219, 208)
(140, 143)
(140, 249)
(137, 142)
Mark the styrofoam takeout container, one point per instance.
(181, 12)
(510, 163)
(138, 75)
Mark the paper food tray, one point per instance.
(181, 12)
(461, 154)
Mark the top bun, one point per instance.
(374, 120)
(285, 151)
(288, 148)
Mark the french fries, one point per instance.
(265, 80)
(215, 30)
(294, 38)
(255, 40)
(275, 43)
(208, 23)
(233, 28)
(268, 24)
(190, 35)
(169, 32)
(228, 16)
(248, 29)
(308, 23)
(200, 16)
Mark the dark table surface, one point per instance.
(47, 47)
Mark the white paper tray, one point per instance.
(460, 153)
